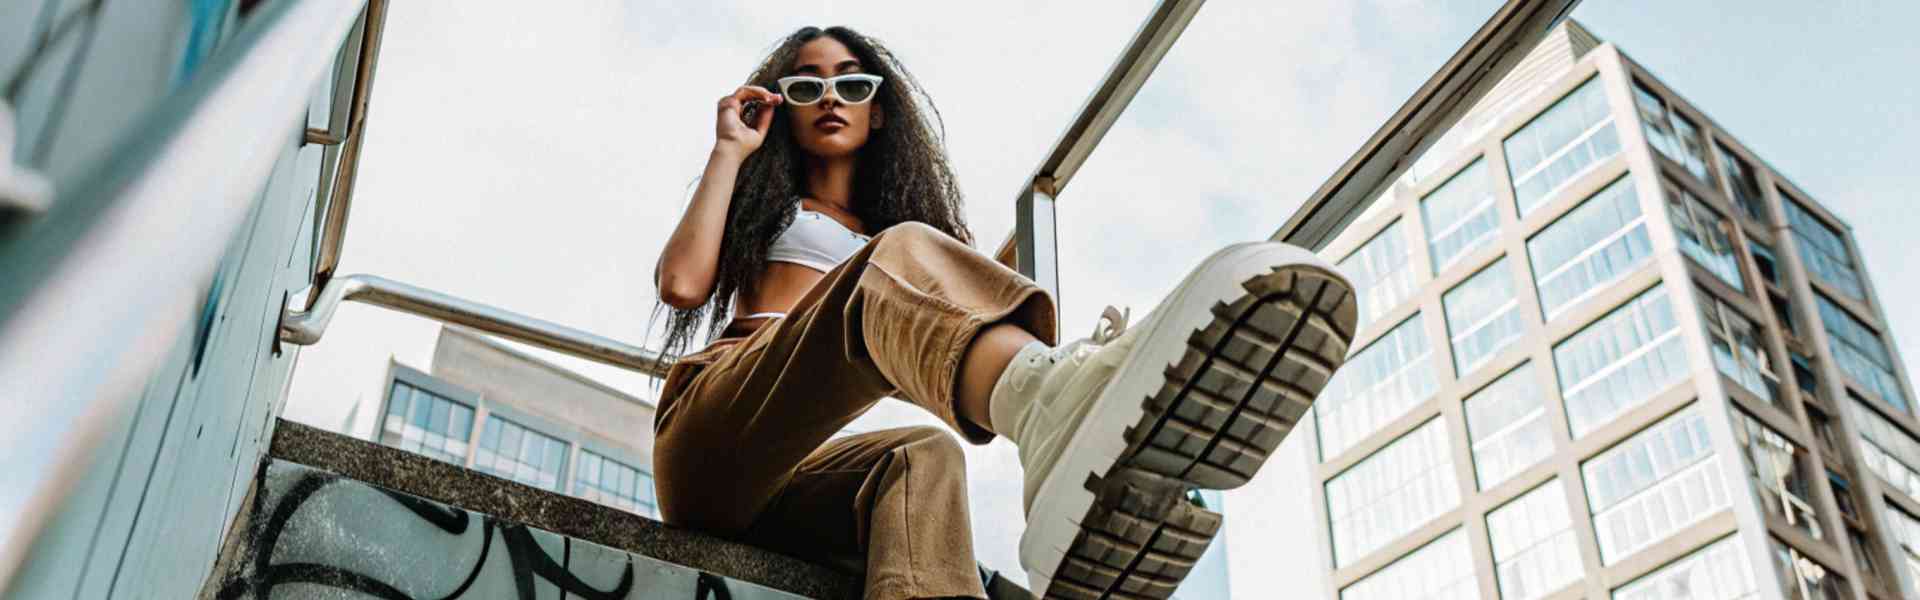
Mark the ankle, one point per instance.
(1010, 396)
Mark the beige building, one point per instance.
(494, 409)
(1607, 352)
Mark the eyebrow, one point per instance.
(842, 67)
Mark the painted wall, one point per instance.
(313, 534)
(147, 516)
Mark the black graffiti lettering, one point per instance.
(528, 559)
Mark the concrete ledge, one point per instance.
(403, 471)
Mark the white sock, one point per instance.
(1007, 406)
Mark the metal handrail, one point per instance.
(305, 327)
(1097, 115)
(340, 199)
(1440, 103)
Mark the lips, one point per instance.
(829, 120)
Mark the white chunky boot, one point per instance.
(1114, 431)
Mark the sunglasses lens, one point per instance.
(854, 91)
(805, 92)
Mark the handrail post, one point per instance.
(1037, 247)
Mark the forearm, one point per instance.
(691, 257)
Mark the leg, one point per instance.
(980, 368)
(894, 319)
(893, 502)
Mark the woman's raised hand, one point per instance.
(733, 134)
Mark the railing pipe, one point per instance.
(1479, 64)
(340, 201)
(305, 327)
(1032, 246)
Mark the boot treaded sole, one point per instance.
(1245, 380)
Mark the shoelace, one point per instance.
(1113, 322)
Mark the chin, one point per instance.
(833, 146)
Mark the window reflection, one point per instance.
(1595, 244)
(1534, 547)
(1507, 421)
(1483, 316)
(1620, 361)
(1570, 138)
(1653, 484)
(1397, 489)
(1378, 384)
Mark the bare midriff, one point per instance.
(779, 288)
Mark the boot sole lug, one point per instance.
(1244, 382)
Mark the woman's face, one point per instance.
(829, 128)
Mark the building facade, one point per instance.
(494, 409)
(1607, 352)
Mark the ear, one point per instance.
(879, 119)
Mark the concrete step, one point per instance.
(332, 516)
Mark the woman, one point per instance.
(831, 141)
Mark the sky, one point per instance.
(536, 159)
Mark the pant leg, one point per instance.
(893, 502)
(735, 422)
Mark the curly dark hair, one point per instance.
(901, 175)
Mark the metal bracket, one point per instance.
(21, 190)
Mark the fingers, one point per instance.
(763, 118)
(751, 93)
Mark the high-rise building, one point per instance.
(1607, 352)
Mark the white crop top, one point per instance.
(815, 241)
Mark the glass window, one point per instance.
(426, 423)
(1507, 421)
(1572, 137)
(1593, 245)
(1653, 484)
(520, 454)
(1483, 316)
(1765, 261)
(614, 483)
(1671, 133)
(1620, 361)
(1783, 311)
(1823, 430)
(1742, 186)
(1704, 236)
(1860, 353)
(1378, 384)
(1460, 216)
(1843, 495)
(1735, 344)
(1717, 572)
(1381, 272)
(1803, 374)
(1824, 250)
(1887, 449)
(1534, 546)
(1904, 532)
(1392, 492)
(1803, 579)
(1440, 570)
(1781, 473)
(1863, 554)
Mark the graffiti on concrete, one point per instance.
(315, 534)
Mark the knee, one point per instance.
(934, 445)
